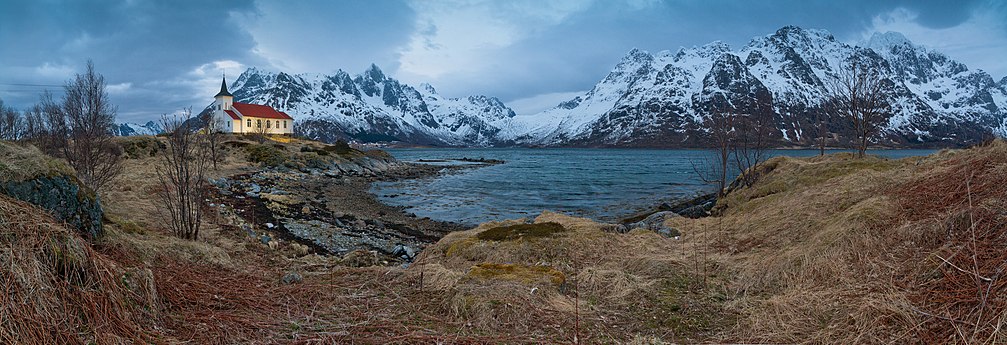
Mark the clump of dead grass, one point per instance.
(956, 290)
(19, 163)
(572, 274)
(58, 290)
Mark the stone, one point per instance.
(404, 252)
(64, 197)
(291, 278)
(270, 225)
(265, 239)
(655, 223)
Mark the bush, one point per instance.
(267, 155)
(140, 146)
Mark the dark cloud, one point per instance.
(163, 55)
(143, 47)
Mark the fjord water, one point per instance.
(602, 184)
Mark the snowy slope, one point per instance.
(130, 128)
(659, 100)
(373, 107)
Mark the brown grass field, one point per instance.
(820, 250)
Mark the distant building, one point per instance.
(244, 118)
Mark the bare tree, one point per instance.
(713, 169)
(181, 174)
(214, 135)
(11, 123)
(78, 128)
(90, 116)
(260, 130)
(822, 130)
(751, 139)
(857, 95)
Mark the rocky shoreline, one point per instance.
(331, 212)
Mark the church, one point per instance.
(244, 118)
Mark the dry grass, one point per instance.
(612, 287)
(833, 249)
(821, 250)
(57, 290)
(19, 163)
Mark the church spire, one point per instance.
(223, 88)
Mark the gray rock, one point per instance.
(64, 197)
(248, 229)
(291, 278)
(655, 223)
(265, 239)
(404, 252)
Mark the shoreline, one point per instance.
(332, 214)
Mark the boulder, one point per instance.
(291, 278)
(404, 252)
(29, 175)
(655, 223)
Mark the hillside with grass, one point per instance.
(821, 249)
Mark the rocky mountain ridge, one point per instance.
(659, 100)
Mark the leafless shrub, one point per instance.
(181, 175)
(750, 140)
(857, 95)
(259, 130)
(214, 136)
(11, 123)
(713, 169)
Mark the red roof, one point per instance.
(260, 111)
(232, 115)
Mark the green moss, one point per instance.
(521, 273)
(521, 231)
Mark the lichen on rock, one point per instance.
(29, 175)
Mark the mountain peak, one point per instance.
(374, 73)
(428, 88)
(716, 46)
(887, 40)
(637, 54)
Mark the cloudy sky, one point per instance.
(161, 56)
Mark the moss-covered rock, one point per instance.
(29, 175)
(521, 231)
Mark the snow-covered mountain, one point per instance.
(130, 128)
(373, 107)
(659, 100)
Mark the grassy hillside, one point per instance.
(823, 249)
